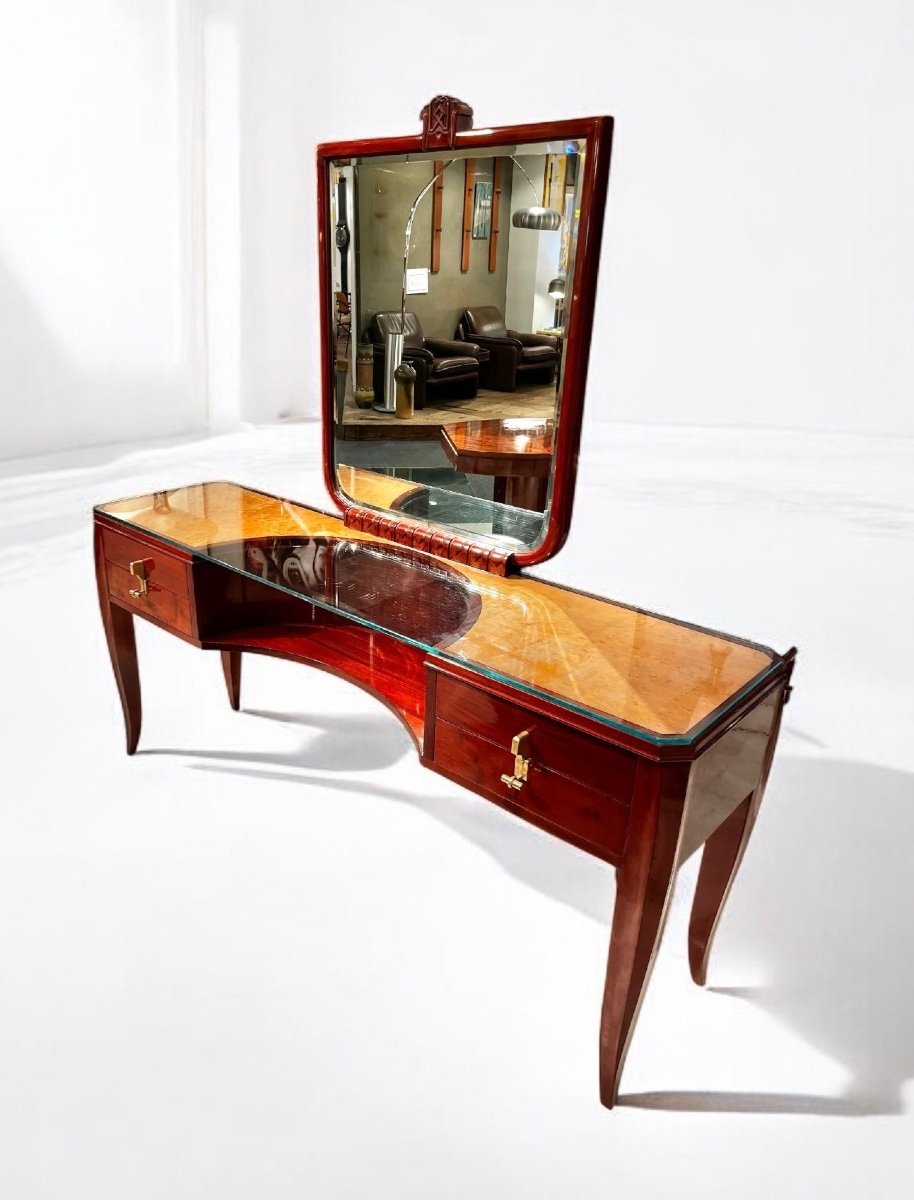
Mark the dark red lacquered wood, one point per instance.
(608, 791)
(231, 669)
(581, 289)
(557, 803)
(442, 119)
(644, 884)
(392, 672)
(119, 634)
(550, 743)
(720, 860)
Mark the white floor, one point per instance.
(271, 956)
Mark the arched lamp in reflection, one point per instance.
(535, 216)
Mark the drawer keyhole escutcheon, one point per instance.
(139, 570)
(521, 764)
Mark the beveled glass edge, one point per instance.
(687, 738)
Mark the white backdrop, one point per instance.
(157, 249)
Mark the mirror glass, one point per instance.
(449, 322)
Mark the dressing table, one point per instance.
(637, 738)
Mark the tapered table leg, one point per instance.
(231, 669)
(118, 623)
(643, 889)
(720, 862)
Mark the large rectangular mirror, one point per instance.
(458, 316)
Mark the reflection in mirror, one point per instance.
(450, 319)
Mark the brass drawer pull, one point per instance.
(140, 568)
(521, 765)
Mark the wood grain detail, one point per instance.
(554, 802)
(497, 176)
(167, 570)
(551, 745)
(166, 607)
(437, 210)
(466, 240)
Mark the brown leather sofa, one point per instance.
(514, 358)
(445, 370)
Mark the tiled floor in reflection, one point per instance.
(272, 956)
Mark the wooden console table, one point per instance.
(517, 452)
(636, 738)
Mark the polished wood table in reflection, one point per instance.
(636, 738)
(516, 451)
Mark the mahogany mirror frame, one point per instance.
(598, 133)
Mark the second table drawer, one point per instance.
(550, 744)
(563, 806)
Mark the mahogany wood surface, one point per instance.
(580, 290)
(553, 744)
(723, 852)
(119, 634)
(521, 462)
(171, 610)
(166, 570)
(624, 800)
(466, 239)
(437, 206)
(497, 447)
(389, 670)
(644, 884)
(497, 175)
(561, 805)
(231, 669)
(530, 492)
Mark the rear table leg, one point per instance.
(231, 669)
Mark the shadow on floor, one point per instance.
(824, 902)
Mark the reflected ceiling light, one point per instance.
(523, 424)
(557, 288)
(534, 217)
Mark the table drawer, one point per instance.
(552, 745)
(163, 570)
(165, 606)
(558, 804)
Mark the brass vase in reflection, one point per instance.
(405, 376)
(176, 523)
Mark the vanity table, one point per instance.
(637, 738)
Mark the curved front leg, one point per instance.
(644, 884)
(724, 850)
(118, 623)
(720, 862)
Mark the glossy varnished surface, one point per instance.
(373, 488)
(626, 668)
(400, 591)
(500, 447)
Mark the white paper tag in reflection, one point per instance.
(416, 280)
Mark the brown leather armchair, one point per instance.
(444, 369)
(513, 357)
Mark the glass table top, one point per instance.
(647, 675)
